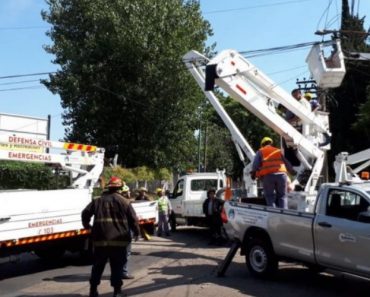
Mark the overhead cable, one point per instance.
(29, 74)
(255, 6)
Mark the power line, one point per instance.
(286, 70)
(19, 82)
(23, 28)
(24, 88)
(23, 75)
(253, 7)
(281, 48)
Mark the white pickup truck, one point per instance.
(335, 235)
(189, 194)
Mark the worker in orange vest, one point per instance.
(271, 167)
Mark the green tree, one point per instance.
(221, 149)
(349, 104)
(121, 81)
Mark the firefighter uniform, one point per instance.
(114, 217)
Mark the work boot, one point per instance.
(93, 292)
(118, 292)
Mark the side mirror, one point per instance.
(364, 217)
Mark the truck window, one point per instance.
(178, 189)
(203, 184)
(346, 204)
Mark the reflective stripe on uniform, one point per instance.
(109, 220)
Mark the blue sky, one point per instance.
(243, 25)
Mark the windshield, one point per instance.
(203, 184)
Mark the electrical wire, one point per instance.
(19, 82)
(24, 88)
(253, 7)
(24, 75)
(327, 14)
(23, 28)
(286, 70)
(326, 11)
(281, 48)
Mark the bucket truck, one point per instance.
(325, 228)
(255, 91)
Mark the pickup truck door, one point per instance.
(341, 239)
(177, 199)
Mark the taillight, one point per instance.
(224, 216)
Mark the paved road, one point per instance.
(181, 265)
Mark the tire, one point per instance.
(173, 222)
(260, 258)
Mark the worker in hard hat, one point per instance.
(313, 101)
(271, 167)
(293, 119)
(114, 217)
(142, 195)
(164, 211)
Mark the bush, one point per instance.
(22, 175)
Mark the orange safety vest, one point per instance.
(272, 161)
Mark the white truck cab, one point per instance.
(189, 194)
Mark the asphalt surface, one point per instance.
(180, 265)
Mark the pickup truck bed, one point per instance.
(335, 235)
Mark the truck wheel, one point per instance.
(260, 258)
(173, 222)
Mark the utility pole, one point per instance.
(309, 85)
(205, 148)
(199, 140)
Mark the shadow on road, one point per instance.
(35, 265)
(57, 295)
(291, 280)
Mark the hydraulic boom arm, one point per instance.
(242, 146)
(257, 93)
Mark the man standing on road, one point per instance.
(270, 165)
(212, 208)
(164, 210)
(114, 217)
